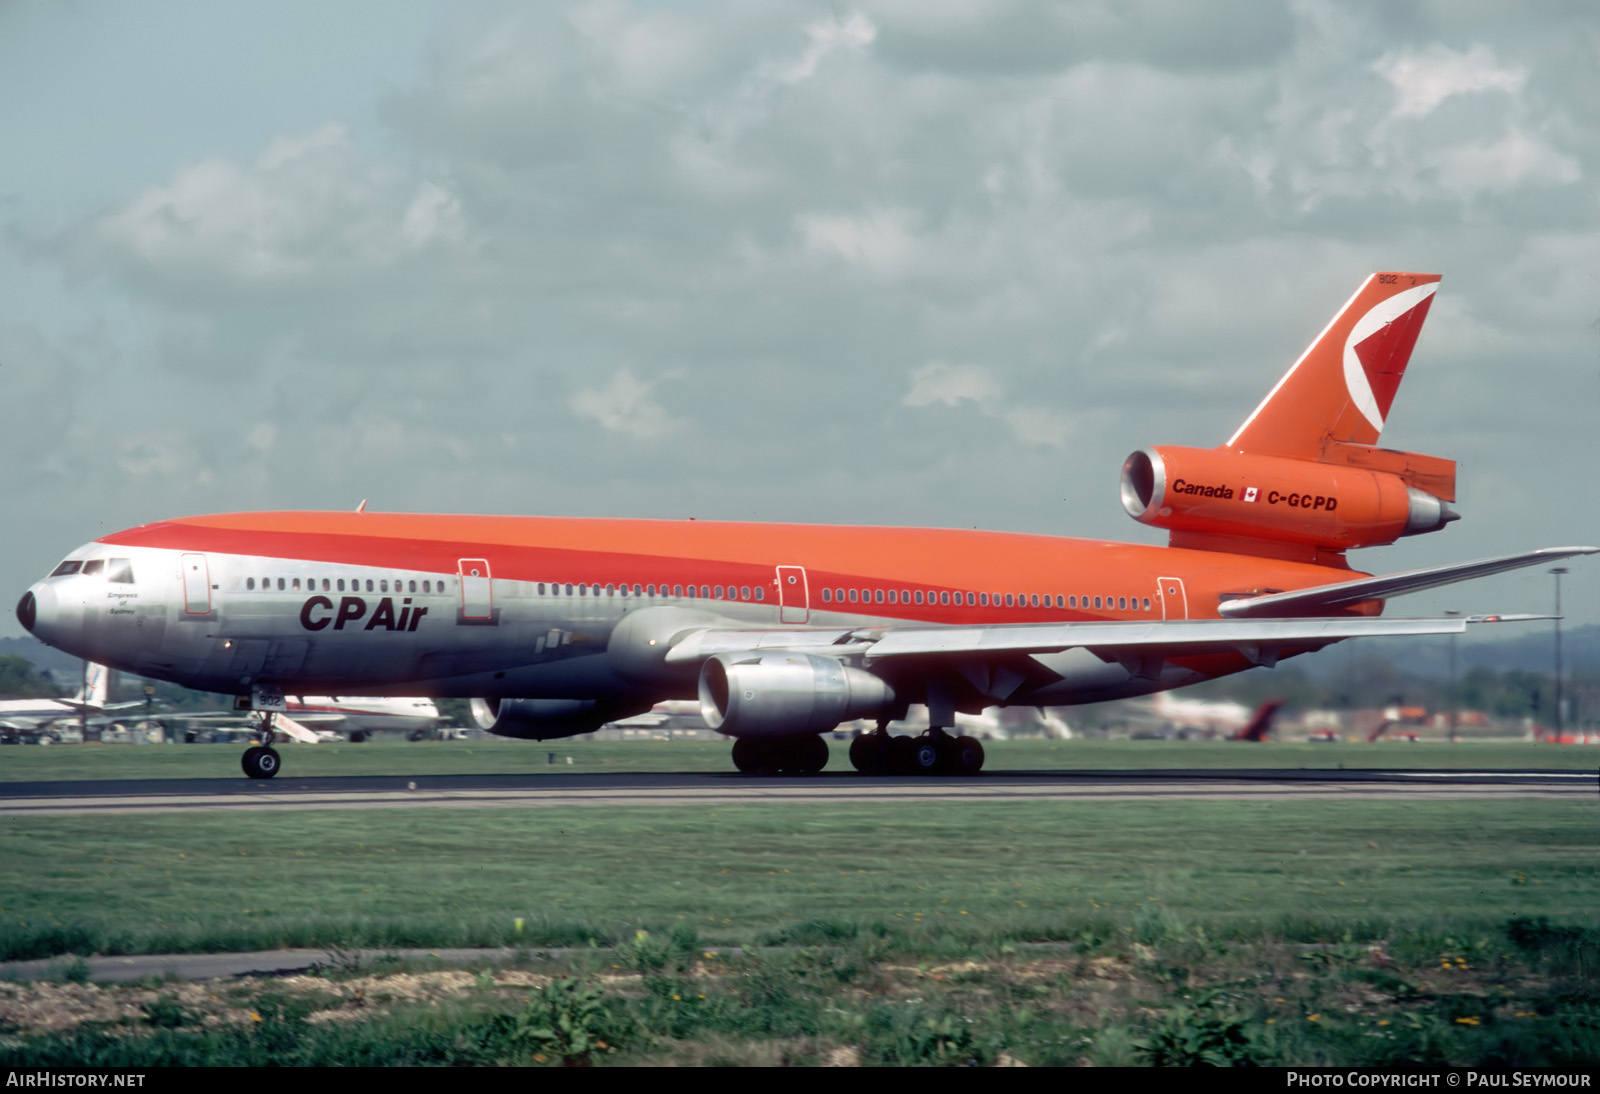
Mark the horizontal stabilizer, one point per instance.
(1325, 598)
(99, 708)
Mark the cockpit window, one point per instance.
(94, 565)
(71, 566)
(120, 570)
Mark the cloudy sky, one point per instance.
(939, 262)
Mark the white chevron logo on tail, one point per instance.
(1381, 315)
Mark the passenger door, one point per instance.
(1173, 599)
(196, 585)
(794, 598)
(477, 591)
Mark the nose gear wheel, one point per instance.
(262, 761)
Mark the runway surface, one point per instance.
(700, 788)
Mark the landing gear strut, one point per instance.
(261, 761)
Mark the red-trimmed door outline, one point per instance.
(1174, 600)
(794, 597)
(477, 589)
(196, 585)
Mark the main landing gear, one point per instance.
(261, 761)
(933, 753)
(782, 755)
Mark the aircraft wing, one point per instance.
(98, 708)
(1257, 639)
(1325, 598)
(1171, 638)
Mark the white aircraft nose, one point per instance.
(40, 611)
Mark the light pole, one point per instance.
(1556, 572)
(1454, 701)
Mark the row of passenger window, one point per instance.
(717, 592)
(859, 596)
(337, 585)
(706, 592)
(982, 600)
(942, 598)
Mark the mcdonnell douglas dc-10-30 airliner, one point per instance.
(556, 626)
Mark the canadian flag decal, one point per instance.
(1249, 493)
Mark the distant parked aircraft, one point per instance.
(352, 717)
(89, 703)
(1260, 723)
(1185, 717)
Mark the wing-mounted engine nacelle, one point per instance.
(786, 694)
(546, 719)
(1270, 497)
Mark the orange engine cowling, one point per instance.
(1224, 492)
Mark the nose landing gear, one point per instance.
(261, 761)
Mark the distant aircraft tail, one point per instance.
(96, 688)
(1341, 388)
(1260, 723)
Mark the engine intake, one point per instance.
(784, 694)
(1271, 497)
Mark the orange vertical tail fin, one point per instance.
(1340, 390)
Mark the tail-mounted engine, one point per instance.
(785, 694)
(1364, 500)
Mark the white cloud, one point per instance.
(37, 379)
(854, 33)
(707, 152)
(627, 406)
(882, 243)
(1515, 160)
(434, 215)
(938, 383)
(305, 209)
(1423, 79)
(261, 437)
(1039, 426)
(711, 165)
(164, 456)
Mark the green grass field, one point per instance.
(925, 874)
(1326, 932)
(218, 761)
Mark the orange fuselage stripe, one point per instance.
(561, 549)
